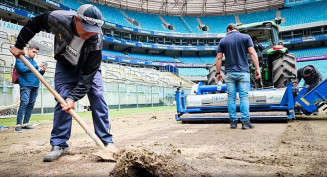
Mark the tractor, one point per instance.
(276, 64)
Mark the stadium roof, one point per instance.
(193, 7)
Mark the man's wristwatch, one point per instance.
(218, 73)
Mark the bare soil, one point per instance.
(155, 144)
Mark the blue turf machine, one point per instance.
(210, 102)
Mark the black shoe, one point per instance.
(28, 127)
(18, 129)
(54, 154)
(233, 124)
(247, 125)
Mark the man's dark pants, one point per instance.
(28, 96)
(65, 81)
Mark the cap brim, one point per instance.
(91, 28)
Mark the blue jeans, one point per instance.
(28, 96)
(65, 81)
(238, 82)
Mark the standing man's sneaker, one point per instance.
(54, 154)
(247, 125)
(233, 124)
(18, 129)
(28, 127)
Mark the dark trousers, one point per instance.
(65, 81)
(28, 96)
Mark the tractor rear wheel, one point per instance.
(212, 79)
(283, 66)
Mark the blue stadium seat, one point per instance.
(310, 52)
(71, 4)
(307, 13)
(178, 23)
(293, 16)
(152, 57)
(147, 21)
(193, 23)
(208, 60)
(190, 60)
(113, 53)
(258, 16)
(193, 71)
(218, 24)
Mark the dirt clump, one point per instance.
(142, 162)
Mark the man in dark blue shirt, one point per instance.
(235, 47)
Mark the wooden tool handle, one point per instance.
(62, 101)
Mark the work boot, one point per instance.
(233, 124)
(54, 154)
(247, 125)
(28, 127)
(18, 129)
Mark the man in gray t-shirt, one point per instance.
(235, 47)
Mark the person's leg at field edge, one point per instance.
(29, 108)
(24, 99)
(65, 81)
(231, 91)
(243, 89)
(100, 112)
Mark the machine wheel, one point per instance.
(212, 79)
(283, 66)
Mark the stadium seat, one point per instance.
(190, 60)
(147, 21)
(193, 71)
(307, 13)
(178, 24)
(208, 60)
(218, 24)
(152, 57)
(257, 16)
(193, 23)
(310, 52)
(113, 53)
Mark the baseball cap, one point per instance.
(91, 18)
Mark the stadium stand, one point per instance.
(113, 53)
(72, 4)
(258, 16)
(193, 71)
(152, 57)
(190, 60)
(112, 71)
(310, 52)
(302, 14)
(193, 23)
(218, 24)
(178, 24)
(147, 21)
(208, 60)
